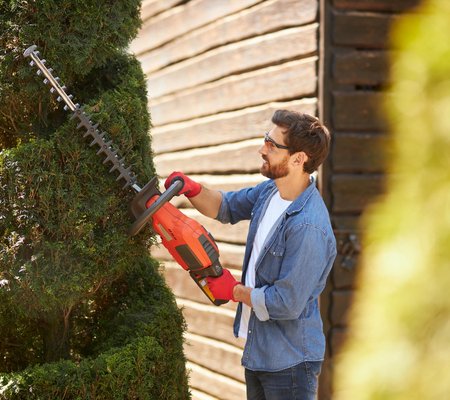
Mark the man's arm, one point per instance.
(207, 202)
(203, 199)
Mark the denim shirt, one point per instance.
(285, 326)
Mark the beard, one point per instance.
(275, 171)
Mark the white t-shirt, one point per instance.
(274, 210)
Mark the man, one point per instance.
(290, 251)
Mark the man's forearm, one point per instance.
(207, 202)
(242, 293)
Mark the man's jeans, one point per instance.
(296, 383)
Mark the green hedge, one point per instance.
(84, 311)
(134, 350)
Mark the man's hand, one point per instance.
(222, 286)
(190, 188)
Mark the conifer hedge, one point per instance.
(84, 311)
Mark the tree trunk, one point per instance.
(55, 337)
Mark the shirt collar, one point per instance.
(301, 200)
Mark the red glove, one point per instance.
(190, 187)
(222, 286)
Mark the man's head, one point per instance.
(303, 133)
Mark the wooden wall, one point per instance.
(216, 72)
(354, 65)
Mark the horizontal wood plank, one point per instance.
(269, 16)
(210, 321)
(232, 157)
(353, 193)
(340, 306)
(363, 30)
(361, 68)
(214, 384)
(343, 274)
(151, 8)
(198, 395)
(182, 19)
(354, 152)
(344, 224)
(225, 127)
(291, 80)
(338, 338)
(214, 355)
(376, 5)
(358, 111)
(235, 58)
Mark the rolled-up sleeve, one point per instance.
(237, 206)
(257, 296)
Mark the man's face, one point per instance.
(275, 155)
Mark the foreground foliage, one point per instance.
(398, 347)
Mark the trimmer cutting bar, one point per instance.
(105, 147)
(34, 55)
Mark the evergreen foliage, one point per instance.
(84, 311)
(399, 343)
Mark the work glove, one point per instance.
(222, 286)
(190, 188)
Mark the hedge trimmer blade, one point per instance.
(100, 139)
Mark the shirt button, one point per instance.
(249, 331)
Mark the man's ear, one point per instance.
(299, 158)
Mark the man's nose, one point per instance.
(262, 150)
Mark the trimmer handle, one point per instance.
(165, 197)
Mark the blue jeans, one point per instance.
(297, 383)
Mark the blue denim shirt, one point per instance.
(285, 326)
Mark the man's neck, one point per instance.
(292, 186)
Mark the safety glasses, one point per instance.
(268, 139)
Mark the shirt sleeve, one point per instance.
(307, 260)
(257, 296)
(237, 206)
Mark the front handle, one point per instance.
(172, 191)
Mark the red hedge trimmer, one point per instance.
(189, 243)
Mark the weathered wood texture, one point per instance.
(376, 5)
(269, 16)
(294, 79)
(177, 21)
(353, 193)
(357, 111)
(223, 128)
(361, 29)
(216, 72)
(362, 67)
(355, 65)
(214, 355)
(359, 152)
(220, 386)
(233, 59)
(151, 8)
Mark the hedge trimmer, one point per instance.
(189, 243)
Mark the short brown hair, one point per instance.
(304, 133)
